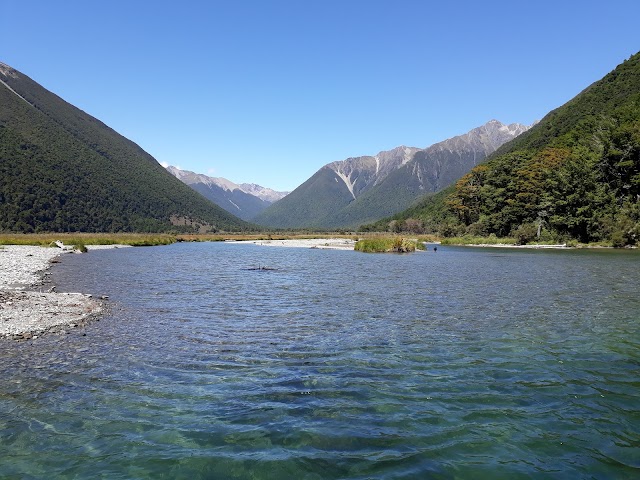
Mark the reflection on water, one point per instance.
(465, 363)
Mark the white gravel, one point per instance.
(26, 314)
(323, 243)
(22, 266)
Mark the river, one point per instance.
(461, 363)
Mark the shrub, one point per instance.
(525, 233)
(385, 245)
(80, 247)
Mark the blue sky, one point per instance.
(270, 91)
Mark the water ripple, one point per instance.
(460, 364)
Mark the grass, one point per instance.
(143, 239)
(387, 244)
(476, 240)
(46, 239)
(371, 242)
(257, 236)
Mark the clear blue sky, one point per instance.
(269, 91)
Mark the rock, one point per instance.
(28, 314)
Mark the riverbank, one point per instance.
(29, 306)
(511, 245)
(320, 243)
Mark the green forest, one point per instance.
(575, 176)
(62, 170)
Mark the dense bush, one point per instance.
(387, 245)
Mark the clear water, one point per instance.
(465, 363)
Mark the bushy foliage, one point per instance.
(80, 247)
(386, 245)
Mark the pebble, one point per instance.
(25, 314)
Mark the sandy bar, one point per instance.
(26, 313)
(320, 243)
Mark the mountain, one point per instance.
(63, 170)
(245, 200)
(263, 193)
(575, 175)
(331, 189)
(430, 170)
(362, 189)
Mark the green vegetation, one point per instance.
(387, 245)
(475, 240)
(62, 170)
(48, 239)
(81, 247)
(574, 177)
(143, 239)
(307, 205)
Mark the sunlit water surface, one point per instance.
(460, 363)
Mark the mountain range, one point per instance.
(575, 175)
(245, 200)
(63, 170)
(350, 192)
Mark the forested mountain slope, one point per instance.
(575, 175)
(359, 189)
(63, 170)
(429, 170)
(331, 189)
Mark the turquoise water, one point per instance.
(465, 363)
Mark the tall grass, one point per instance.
(476, 240)
(46, 239)
(387, 244)
(256, 236)
(142, 239)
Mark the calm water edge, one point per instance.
(463, 363)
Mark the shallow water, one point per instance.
(465, 363)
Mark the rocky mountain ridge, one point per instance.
(361, 173)
(243, 200)
(350, 192)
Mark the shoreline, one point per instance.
(539, 246)
(316, 243)
(25, 312)
(348, 244)
(511, 245)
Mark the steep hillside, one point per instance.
(63, 170)
(430, 170)
(351, 192)
(575, 175)
(245, 201)
(331, 189)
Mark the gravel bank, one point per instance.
(323, 243)
(25, 313)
